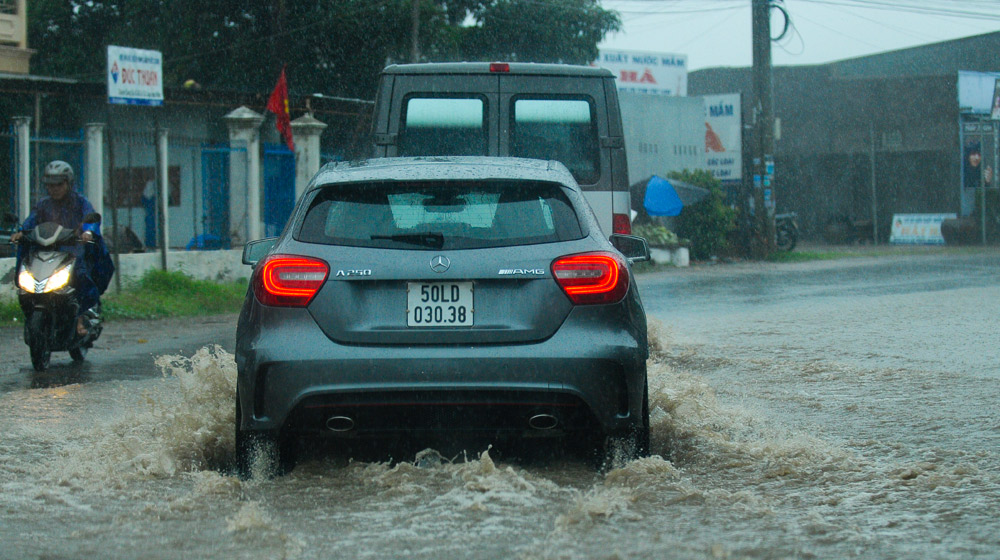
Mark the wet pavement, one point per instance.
(825, 409)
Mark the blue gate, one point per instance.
(65, 145)
(279, 187)
(215, 194)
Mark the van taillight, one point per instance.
(592, 278)
(620, 223)
(499, 67)
(289, 280)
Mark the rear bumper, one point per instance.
(292, 377)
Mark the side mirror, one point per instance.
(9, 219)
(256, 250)
(634, 248)
(92, 218)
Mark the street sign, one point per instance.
(723, 137)
(647, 72)
(135, 76)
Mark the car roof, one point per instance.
(444, 168)
(484, 68)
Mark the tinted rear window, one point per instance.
(562, 129)
(440, 215)
(443, 126)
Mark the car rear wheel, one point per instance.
(261, 454)
(615, 450)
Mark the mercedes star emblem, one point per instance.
(440, 263)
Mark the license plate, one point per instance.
(439, 304)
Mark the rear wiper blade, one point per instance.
(428, 239)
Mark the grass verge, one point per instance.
(804, 256)
(156, 295)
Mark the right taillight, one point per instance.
(620, 223)
(289, 280)
(592, 278)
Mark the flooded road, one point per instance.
(817, 410)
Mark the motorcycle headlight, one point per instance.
(58, 280)
(26, 281)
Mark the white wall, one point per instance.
(662, 134)
(203, 265)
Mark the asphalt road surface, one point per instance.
(819, 410)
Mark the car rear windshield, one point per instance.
(435, 215)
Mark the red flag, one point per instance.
(278, 104)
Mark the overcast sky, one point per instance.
(718, 32)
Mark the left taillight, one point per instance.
(289, 280)
(592, 278)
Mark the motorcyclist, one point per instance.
(68, 208)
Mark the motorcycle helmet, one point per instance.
(58, 171)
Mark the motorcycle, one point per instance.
(48, 298)
(786, 231)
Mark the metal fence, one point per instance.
(51, 144)
(199, 181)
(8, 172)
(278, 166)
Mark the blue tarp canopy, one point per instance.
(661, 198)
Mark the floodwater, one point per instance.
(822, 410)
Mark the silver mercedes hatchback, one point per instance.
(453, 297)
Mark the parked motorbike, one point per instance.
(48, 298)
(786, 230)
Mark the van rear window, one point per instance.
(559, 129)
(443, 126)
(430, 215)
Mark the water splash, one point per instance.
(181, 427)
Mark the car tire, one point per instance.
(261, 454)
(612, 450)
(642, 435)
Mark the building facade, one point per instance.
(873, 136)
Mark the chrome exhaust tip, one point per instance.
(543, 421)
(340, 423)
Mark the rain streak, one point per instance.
(768, 441)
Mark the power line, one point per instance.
(923, 8)
(838, 32)
(983, 9)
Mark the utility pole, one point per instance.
(415, 31)
(762, 162)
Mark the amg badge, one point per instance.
(534, 271)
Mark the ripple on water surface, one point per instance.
(146, 463)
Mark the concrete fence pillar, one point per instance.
(163, 188)
(306, 131)
(244, 175)
(95, 166)
(22, 171)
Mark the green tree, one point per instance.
(708, 222)
(335, 47)
(565, 31)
